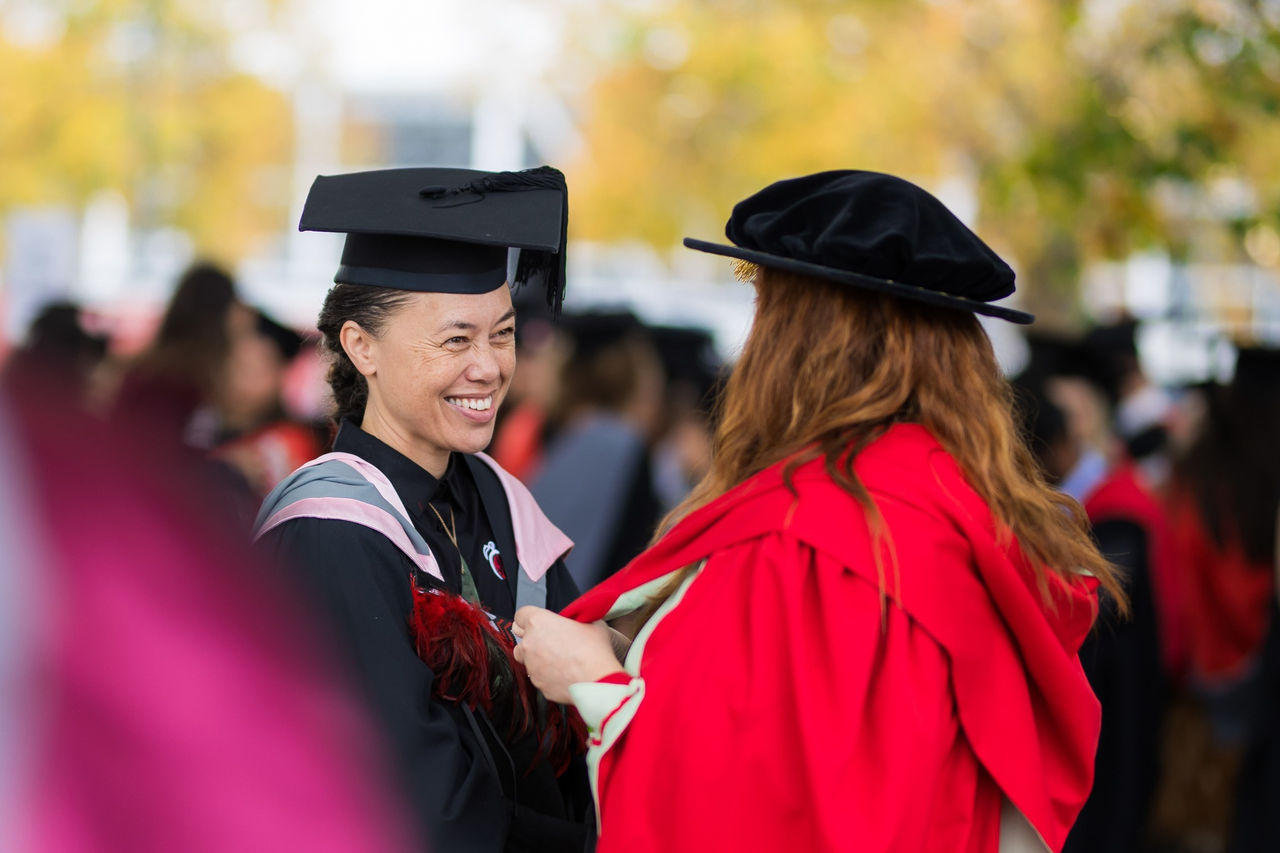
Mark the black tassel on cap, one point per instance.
(535, 268)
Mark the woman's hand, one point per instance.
(558, 652)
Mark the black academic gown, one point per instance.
(468, 791)
(1121, 658)
(1257, 820)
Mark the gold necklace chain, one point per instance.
(449, 529)
(469, 591)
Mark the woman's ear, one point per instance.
(360, 347)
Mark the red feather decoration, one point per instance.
(474, 663)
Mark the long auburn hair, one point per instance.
(827, 368)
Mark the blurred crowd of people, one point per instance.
(608, 422)
(594, 389)
(1181, 488)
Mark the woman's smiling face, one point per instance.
(440, 369)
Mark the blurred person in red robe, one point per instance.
(1091, 459)
(860, 631)
(1224, 500)
(1224, 497)
(1122, 658)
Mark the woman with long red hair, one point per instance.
(859, 632)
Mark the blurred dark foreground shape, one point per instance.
(157, 691)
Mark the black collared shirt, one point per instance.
(456, 500)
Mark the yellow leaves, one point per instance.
(1067, 117)
(242, 130)
(1258, 157)
(792, 88)
(138, 97)
(47, 139)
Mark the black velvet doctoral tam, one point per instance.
(871, 230)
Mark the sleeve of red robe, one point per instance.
(779, 707)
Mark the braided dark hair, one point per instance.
(369, 308)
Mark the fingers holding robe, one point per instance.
(558, 652)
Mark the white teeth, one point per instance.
(481, 405)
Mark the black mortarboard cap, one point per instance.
(57, 332)
(1111, 354)
(1058, 355)
(288, 341)
(1257, 371)
(869, 230)
(688, 355)
(445, 230)
(596, 331)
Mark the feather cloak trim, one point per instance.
(474, 664)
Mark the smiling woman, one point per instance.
(416, 545)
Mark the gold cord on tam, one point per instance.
(745, 270)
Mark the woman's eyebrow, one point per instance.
(468, 326)
(464, 325)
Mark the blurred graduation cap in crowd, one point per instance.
(1111, 353)
(593, 332)
(57, 332)
(1257, 370)
(1103, 356)
(287, 340)
(1051, 354)
(689, 358)
(445, 230)
(57, 352)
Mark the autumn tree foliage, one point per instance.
(1086, 130)
(140, 96)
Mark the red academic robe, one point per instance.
(1228, 597)
(788, 706)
